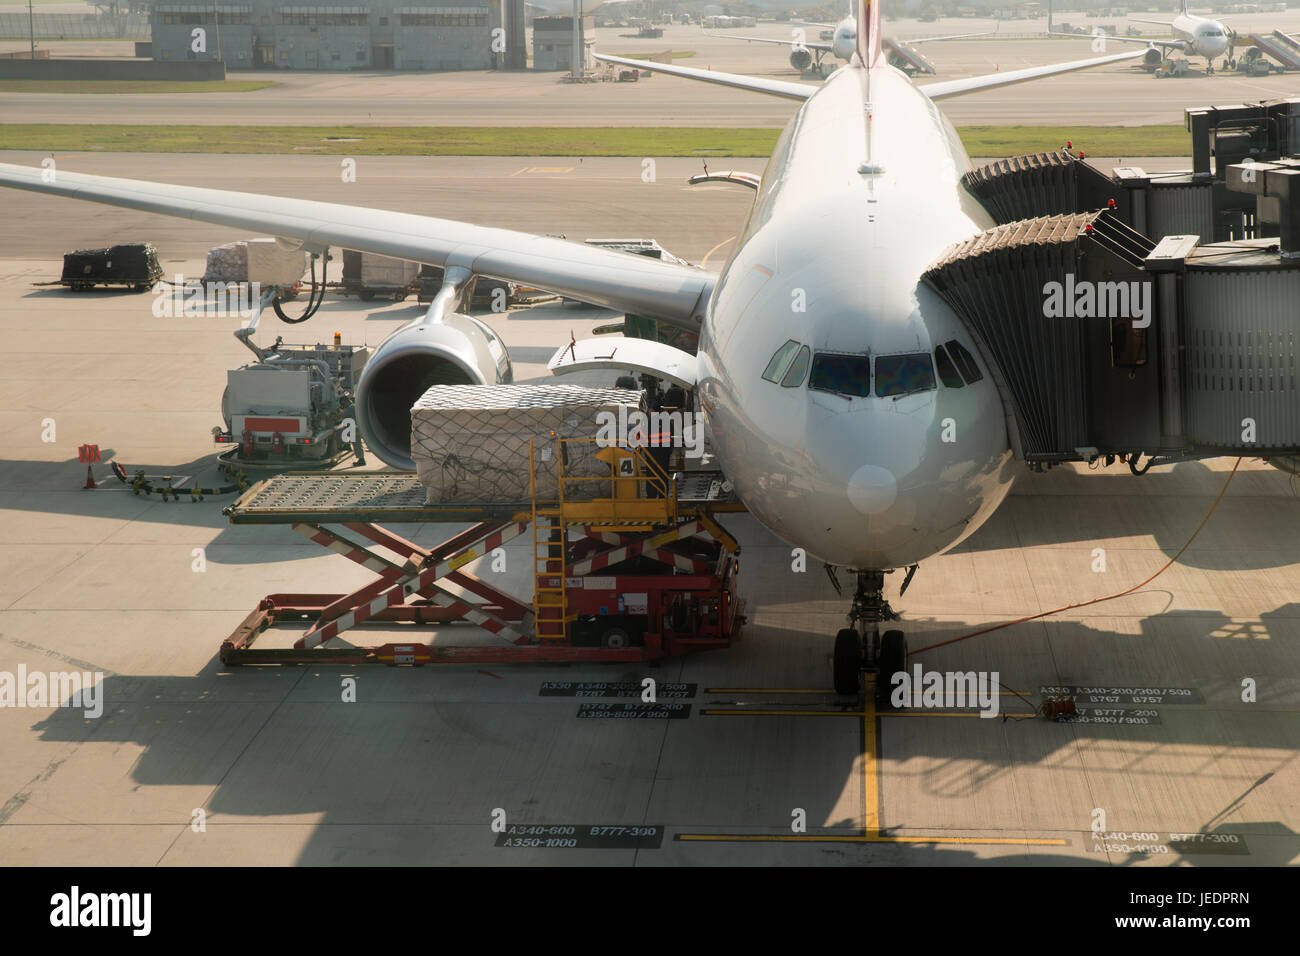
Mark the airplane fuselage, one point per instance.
(831, 259)
(1203, 37)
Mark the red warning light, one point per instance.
(1069, 144)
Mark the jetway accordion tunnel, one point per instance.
(1139, 315)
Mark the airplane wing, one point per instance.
(947, 88)
(952, 36)
(793, 91)
(1163, 23)
(823, 47)
(1170, 44)
(616, 280)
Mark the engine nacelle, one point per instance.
(800, 59)
(1288, 463)
(1152, 57)
(459, 350)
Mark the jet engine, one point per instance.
(1152, 57)
(455, 350)
(800, 59)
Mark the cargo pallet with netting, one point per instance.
(643, 572)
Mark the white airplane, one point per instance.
(1193, 36)
(828, 418)
(843, 43)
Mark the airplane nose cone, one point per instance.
(872, 489)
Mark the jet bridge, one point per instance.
(1110, 337)
(1197, 202)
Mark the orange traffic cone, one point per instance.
(90, 478)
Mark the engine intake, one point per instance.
(459, 350)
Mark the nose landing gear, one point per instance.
(862, 647)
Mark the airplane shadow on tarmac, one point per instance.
(442, 746)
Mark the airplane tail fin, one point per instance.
(1183, 7)
(869, 38)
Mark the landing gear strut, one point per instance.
(862, 647)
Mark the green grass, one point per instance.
(1121, 141)
(394, 140)
(133, 86)
(1124, 141)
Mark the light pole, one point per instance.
(216, 22)
(31, 27)
(577, 12)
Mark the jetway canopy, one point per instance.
(1105, 342)
(1130, 314)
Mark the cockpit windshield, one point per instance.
(848, 375)
(904, 374)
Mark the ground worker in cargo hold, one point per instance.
(663, 441)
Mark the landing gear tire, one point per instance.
(893, 660)
(616, 638)
(848, 663)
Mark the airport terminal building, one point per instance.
(283, 34)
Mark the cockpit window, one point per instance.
(965, 362)
(903, 374)
(781, 361)
(798, 369)
(842, 374)
(947, 371)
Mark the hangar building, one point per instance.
(335, 35)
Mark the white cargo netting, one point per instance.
(470, 442)
(263, 261)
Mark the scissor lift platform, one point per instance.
(679, 565)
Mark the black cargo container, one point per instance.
(133, 264)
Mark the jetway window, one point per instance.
(947, 371)
(848, 375)
(781, 361)
(965, 362)
(1128, 344)
(798, 369)
(903, 374)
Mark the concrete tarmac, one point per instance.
(282, 771)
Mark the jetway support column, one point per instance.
(1167, 262)
(1138, 185)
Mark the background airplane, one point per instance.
(1193, 36)
(805, 55)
